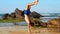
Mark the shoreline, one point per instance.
(23, 30)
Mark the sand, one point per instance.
(23, 30)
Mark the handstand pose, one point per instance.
(27, 12)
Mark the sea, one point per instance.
(0, 17)
(44, 19)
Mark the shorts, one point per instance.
(27, 12)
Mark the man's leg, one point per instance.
(27, 19)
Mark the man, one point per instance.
(27, 12)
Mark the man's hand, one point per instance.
(35, 1)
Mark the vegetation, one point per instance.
(11, 20)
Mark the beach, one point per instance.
(23, 30)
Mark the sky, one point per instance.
(43, 6)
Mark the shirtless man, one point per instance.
(27, 12)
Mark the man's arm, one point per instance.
(31, 4)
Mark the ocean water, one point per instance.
(50, 14)
(12, 24)
(45, 19)
(1, 16)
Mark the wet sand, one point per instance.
(23, 30)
